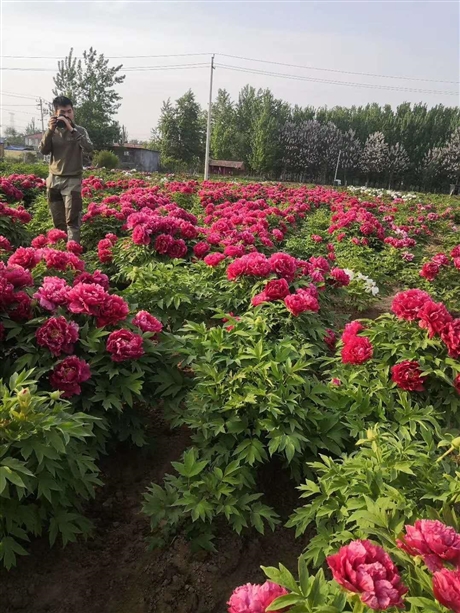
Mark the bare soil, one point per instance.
(114, 572)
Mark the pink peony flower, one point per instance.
(58, 335)
(5, 244)
(300, 302)
(86, 298)
(406, 305)
(434, 317)
(54, 236)
(125, 345)
(430, 271)
(68, 374)
(147, 322)
(446, 588)
(357, 350)
(434, 541)
(53, 293)
(364, 568)
(407, 376)
(17, 275)
(340, 277)
(252, 598)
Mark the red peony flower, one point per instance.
(141, 235)
(62, 260)
(234, 251)
(340, 277)
(163, 243)
(125, 345)
(300, 302)
(27, 257)
(177, 249)
(407, 376)
(252, 598)
(5, 244)
(406, 305)
(434, 541)
(357, 350)
(276, 289)
(457, 384)
(455, 253)
(434, 317)
(284, 265)
(86, 298)
(450, 335)
(214, 259)
(20, 309)
(259, 299)
(111, 310)
(446, 588)
(201, 249)
(96, 277)
(58, 335)
(68, 374)
(351, 330)
(440, 259)
(364, 568)
(330, 339)
(53, 293)
(147, 322)
(430, 271)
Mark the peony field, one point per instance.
(231, 397)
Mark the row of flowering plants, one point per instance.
(425, 577)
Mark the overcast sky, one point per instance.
(409, 39)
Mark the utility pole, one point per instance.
(337, 167)
(41, 113)
(208, 129)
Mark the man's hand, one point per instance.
(52, 123)
(68, 123)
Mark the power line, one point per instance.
(21, 112)
(346, 83)
(17, 95)
(248, 59)
(127, 69)
(362, 74)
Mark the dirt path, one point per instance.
(115, 573)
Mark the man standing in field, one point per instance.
(66, 142)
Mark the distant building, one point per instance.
(33, 140)
(226, 167)
(136, 157)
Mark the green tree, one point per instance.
(13, 136)
(224, 141)
(90, 84)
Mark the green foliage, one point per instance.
(41, 220)
(105, 159)
(46, 467)
(393, 478)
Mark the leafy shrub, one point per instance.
(46, 467)
(105, 159)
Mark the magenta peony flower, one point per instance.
(340, 277)
(446, 588)
(434, 317)
(364, 568)
(68, 374)
(5, 244)
(406, 305)
(284, 265)
(112, 310)
(177, 249)
(276, 289)
(17, 275)
(407, 376)
(97, 277)
(259, 299)
(39, 242)
(163, 243)
(450, 336)
(214, 259)
(58, 335)
(20, 308)
(125, 345)
(434, 541)
(330, 339)
(351, 330)
(430, 271)
(75, 247)
(201, 249)
(147, 322)
(27, 257)
(54, 236)
(53, 293)
(252, 598)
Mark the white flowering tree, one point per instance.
(398, 162)
(374, 158)
(351, 153)
(451, 157)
